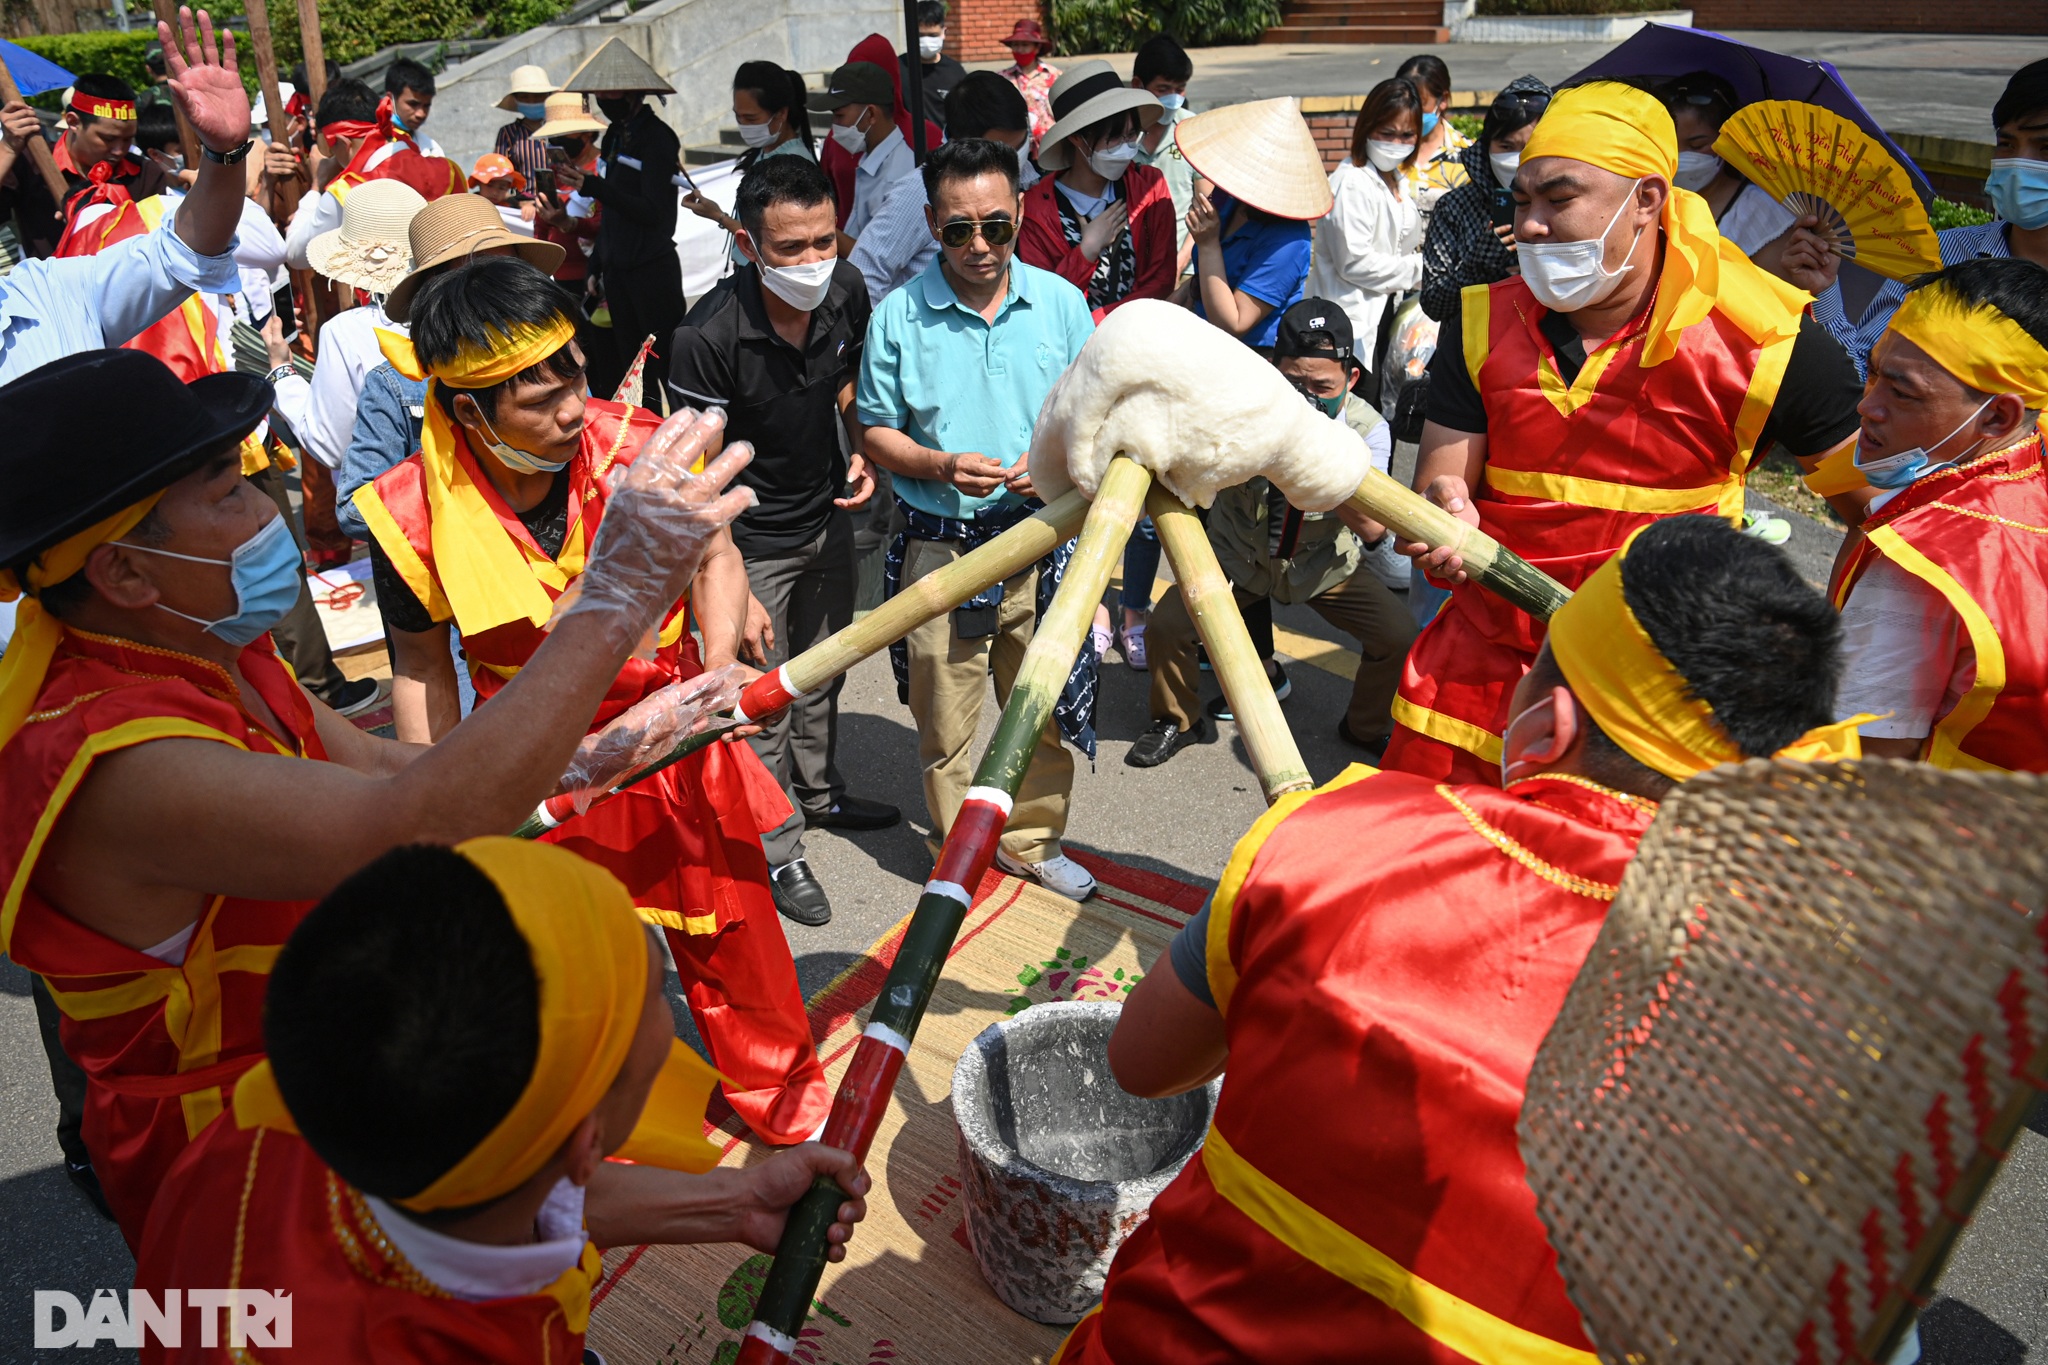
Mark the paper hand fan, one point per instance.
(1810, 1029)
(1814, 161)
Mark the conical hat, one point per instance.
(1260, 153)
(616, 66)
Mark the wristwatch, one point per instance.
(284, 371)
(233, 158)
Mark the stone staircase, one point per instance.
(728, 146)
(1360, 21)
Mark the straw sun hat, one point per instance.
(566, 115)
(454, 228)
(618, 67)
(1260, 153)
(370, 249)
(1087, 94)
(526, 80)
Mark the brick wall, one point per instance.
(975, 29)
(1333, 135)
(2029, 17)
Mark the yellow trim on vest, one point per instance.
(1068, 1340)
(675, 919)
(1610, 497)
(1569, 398)
(1222, 969)
(1945, 745)
(1442, 1316)
(1764, 382)
(1459, 734)
(1476, 304)
(1836, 473)
(404, 558)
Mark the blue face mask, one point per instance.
(1896, 471)
(2018, 189)
(1173, 101)
(539, 111)
(268, 573)
(1429, 123)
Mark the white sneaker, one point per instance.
(1059, 874)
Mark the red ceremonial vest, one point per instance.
(1978, 535)
(1360, 1195)
(432, 176)
(161, 1045)
(257, 1209)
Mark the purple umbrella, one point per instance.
(1756, 73)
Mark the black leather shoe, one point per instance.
(851, 812)
(798, 895)
(1163, 739)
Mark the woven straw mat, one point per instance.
(1808, 1027)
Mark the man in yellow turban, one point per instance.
(458, 1039)
(1407, 991)
(1634, 369)
(1941, 597)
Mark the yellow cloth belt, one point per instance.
(1980, 346)
(1624, 130)
(36, 632)
(1642, 703)
(487, 577)
(591, 956)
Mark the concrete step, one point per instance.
(1356, 33)
(1383, 15)
(728, 146)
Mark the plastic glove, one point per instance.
(658, 520)
(646, 731)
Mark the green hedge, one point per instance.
(1947, 213)
(1576, 7)
(111, 54)
(1120, 25)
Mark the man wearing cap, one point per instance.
(1360, 1194)
(153, 748)
(420, 1160)
(1032, 74)
(1268, 550)
(485, 529)
(159, 88)
(861, 99)
(520, 141)
(638, 159)
(362, 142)
(1634, 369)
(1941, 595)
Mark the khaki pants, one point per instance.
(1361, 606)
(949, 680)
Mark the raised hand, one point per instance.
(205, 81)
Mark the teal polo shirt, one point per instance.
(940, 373)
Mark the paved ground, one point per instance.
(1913, 83)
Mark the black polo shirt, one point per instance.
(785, 401)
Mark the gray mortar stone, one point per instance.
(1060, 1164)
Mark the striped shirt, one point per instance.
(527, 153)
(1981, 241)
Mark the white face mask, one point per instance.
(1385, 156)
(802, 287)
(850, 136)
(1504, 164)
(1568, 276)
(1696, 170)
(929, 48)
(1507, 768)
(1111, 160)
(515, 459)
(758, 134)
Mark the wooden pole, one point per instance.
(38, 150)
(285, 196)
(1414, 517)
(311, 49)
(167, 15)
(970, 846)
(1213, 605)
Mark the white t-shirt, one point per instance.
(1905, 654)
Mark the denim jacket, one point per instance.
(389, 415)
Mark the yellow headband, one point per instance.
(1642, 703)
(36, 632)
(1980, 346)
(590, 952)
(1606, 124)
(519, 349)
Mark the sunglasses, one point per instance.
(961, 231)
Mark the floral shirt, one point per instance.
(1430, 180)
(1037, 87)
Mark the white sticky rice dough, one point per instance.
(1194, 405)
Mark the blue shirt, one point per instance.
(1979, 241)
(389, 415)
(1267, 261)
(940, 373)
(55, 308)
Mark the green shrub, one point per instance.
(108, 54)
(1576, 7)
(1468, 124)
(1120, 25)
(1947, 213)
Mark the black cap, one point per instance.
(855, 83)
(1314, 327)
(93, 433)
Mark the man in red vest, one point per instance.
(1941, 597)
(1360, 1195)
(486, 526)
(1636, 368)
(157, 848)
(361, 141)
(419, 1163)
